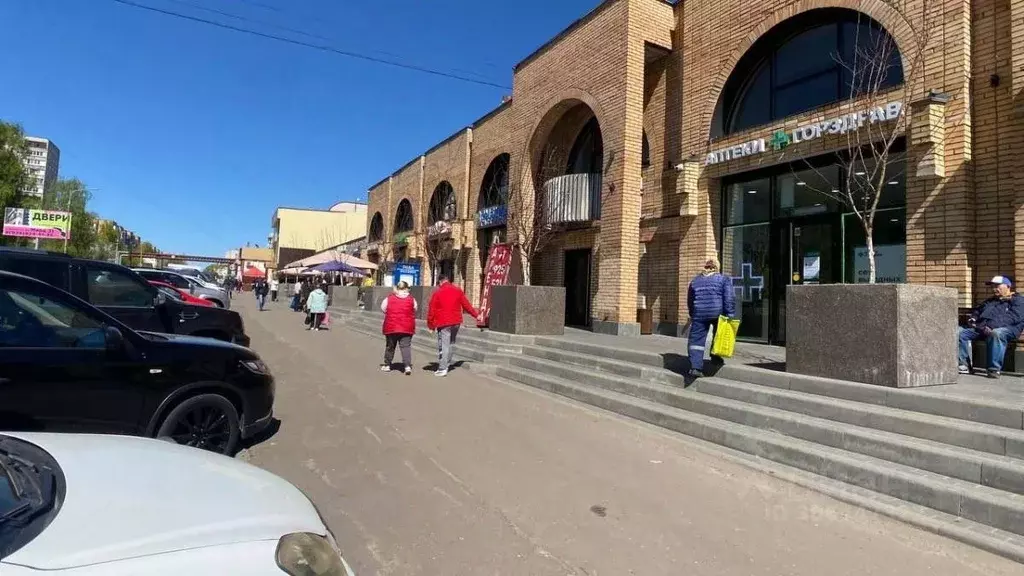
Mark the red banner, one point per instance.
(499, 263)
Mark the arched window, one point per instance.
(442, 204)
(376, 233)
(494, 189)
(813, 59)
(587, 153)
(403, 217)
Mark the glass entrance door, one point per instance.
(809, 252)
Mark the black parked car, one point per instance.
(68, 366)
(124, 295)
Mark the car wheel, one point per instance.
(207, 421)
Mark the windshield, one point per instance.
(31, 492)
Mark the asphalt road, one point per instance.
(470, 476)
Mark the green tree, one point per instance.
(13, 176)
(108, 241)
(72, 195)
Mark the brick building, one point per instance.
(660, 134)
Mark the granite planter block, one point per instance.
(422, 295)
(895, 335)
(344, 296)
(372, 297)
(531, 310)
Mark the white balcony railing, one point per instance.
(573, 198)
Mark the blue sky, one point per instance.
(191, 135)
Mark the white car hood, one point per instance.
(129, 497)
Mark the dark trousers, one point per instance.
(273, 295)
(318, 317)
(404, 343)
(697, 342)
(295, 302)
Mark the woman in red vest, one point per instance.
(399, 325)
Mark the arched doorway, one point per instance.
(492, 209)
(567, 152)
(404, 223)
(441, 214)
(791, 224)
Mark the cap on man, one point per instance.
(997, 320)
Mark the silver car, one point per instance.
(219, 296)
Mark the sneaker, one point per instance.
(385, 368)
(964, 369)
(408, 370)
(696, 373)
(441, 373)
(994, 374)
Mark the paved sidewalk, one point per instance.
(470, 476)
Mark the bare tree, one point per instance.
(874, 124)
(532, 209)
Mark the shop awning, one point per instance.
(332, 256)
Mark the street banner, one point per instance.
(28, 223)
(499, 264)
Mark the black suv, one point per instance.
(124, 295)
(67, 366)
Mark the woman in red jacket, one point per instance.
(399, 310)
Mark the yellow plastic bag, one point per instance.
(725, 337)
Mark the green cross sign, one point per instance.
(779, 140)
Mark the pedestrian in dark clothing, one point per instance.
(261, 289)
(710, 296)
(997, 321)
(445, 316)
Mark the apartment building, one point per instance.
(43, 164)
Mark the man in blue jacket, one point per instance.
(996, 320)
(710, 296)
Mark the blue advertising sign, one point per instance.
(492, 216)
(408, 272)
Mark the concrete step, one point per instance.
(982, 437)
(992, 507)
(923, 400)
(982, 468)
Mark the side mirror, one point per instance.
(114, 340)
(160, 299)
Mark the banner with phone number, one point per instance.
(29, 223)
(499, 263)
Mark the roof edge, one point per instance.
(565, 32)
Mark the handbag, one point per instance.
(725, 337)
(309, 319)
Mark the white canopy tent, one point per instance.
(331, 256)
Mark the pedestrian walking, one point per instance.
(710, 296)
(399, 310)
(445, 316)
(296, 296)
(273, 289)
(997, 321)
(316, 305)
(261, 289)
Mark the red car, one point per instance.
(180, 294)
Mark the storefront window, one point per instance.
(745, 258)
(805, 192)
(748, 202)
(890, 238)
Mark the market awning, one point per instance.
(338, 266)
(253, 272)
(332, 256)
